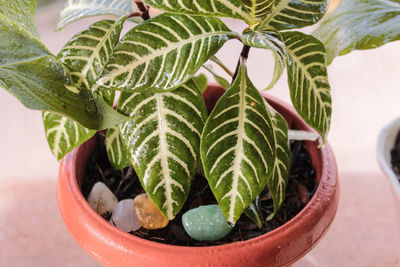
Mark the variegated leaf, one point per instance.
(258, 8)
(268, 38)
(254, 212)
(164, 52)
(219, 8)
(238, 147)
(163, 140)
(78, 9)
(277, 185)
(308, 80)
(64, 134)
(359, 25)
(291, 14)
(85, 56)
(87, 53)
(116, 150)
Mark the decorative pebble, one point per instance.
(123, 216)
(206, 223)
(147, 213)
(101, 199)
(303, 193)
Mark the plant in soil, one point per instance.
(159, 139)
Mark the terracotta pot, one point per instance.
(280, 247)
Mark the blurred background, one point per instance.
(366, 94)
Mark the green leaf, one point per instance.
(359, 25)
(201, 82)
(308, 80)
(258, 8)
(268, 38)
(277, 185)
(78, 9)
(21, 12)
(64, 134)
(219, 79)
(238, 147)
(254, 212)
(116, 150)
(87, 53)
(291, 14)
(33, 75)
(164, 52)
(163, 140)
(219, 8)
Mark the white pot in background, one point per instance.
(386, 141)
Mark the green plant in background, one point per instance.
(160, 124)
(359, 25)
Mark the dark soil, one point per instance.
(125, 184)
(396, 156)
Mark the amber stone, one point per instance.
(147, 213)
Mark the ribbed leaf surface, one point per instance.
(291, 14)
(64, 134)
(308, 80)
(163, 140)
(238, 147)
(268, 38)
(359, 25)
(164, 52)
(86, 53)
(21, 12)
(78, 9)
(116, 150)
(277, 185)
(258, 8)
(219, 8)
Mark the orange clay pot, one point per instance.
(280, 247)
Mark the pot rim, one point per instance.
(328, 169)
(385, 143)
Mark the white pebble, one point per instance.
(123, 216)
(101, 199)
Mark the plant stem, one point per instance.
(243, 56)
(143, 8)
(222, 65)
(135, 14)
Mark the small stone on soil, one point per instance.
(206, 223)
(147, 213)
(123, 216)
(101, 199)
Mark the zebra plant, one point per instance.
(160, 124)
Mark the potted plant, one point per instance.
(160, 124)
(361, 25)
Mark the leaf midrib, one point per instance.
(23, 61)
(163, 151)
(239, 146)
(97, 50)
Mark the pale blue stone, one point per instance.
(206, 223)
